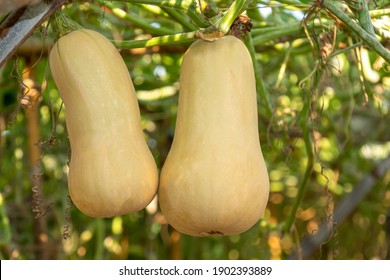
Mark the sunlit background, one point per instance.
(326, 131)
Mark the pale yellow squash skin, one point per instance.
(112, 171)
(214, 180)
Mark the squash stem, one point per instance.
(231, 14)
(62, 24)
(157, 41)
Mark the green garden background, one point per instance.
(323, 84)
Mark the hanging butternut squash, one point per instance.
(214, 180)
(112, 171)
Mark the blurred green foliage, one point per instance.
(340, 102)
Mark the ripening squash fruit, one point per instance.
(214, 180)
(112, 171)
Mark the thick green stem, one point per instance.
(229, 17)
(368, 39)
(365, 19)
(363, 15)
(157, 41)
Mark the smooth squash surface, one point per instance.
(112, 171)
(214, 180)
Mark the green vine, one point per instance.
(367, 38)
(365, 18)
(157, 41)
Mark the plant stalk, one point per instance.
(157, 41)
(368, 39)
(363, 15)
(229, 17)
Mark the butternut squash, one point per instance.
(214, 180)
(112, 171)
